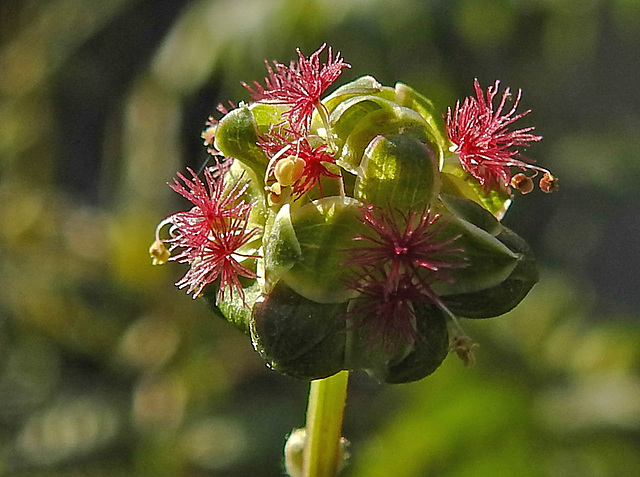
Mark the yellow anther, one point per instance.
(159, 253)
(275, 193)
(288, 170)
(209, 135)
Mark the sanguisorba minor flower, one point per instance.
(360, 256)
(299, 85)
(481, 137)
(211, 233)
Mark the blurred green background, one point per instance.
(107, 369)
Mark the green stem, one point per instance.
(322, 452)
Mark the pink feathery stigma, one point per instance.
(211, 232)
(481, 137)
(401, 260)
(299, 85)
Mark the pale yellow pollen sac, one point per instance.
(209, 135)
(288, 170)
(464, 347)
(159, 253)
(275, 193)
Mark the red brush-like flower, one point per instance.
(215, 257)
(211, 233)
(389, 315)
(297, 163)
(398, 268)
(481, 137)
(300, 85)
(408, 248)
(212, 204)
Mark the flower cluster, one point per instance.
(350, 231)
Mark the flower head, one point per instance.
(299, 85)
(481, 137)
(398, 267)
(211, 233)
(308, 163)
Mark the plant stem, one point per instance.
(322, 452)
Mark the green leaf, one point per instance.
(398, 171)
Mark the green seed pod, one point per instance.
(398, 171)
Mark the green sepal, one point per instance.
(408, 97)
(382, 122)
(346, 115)
(281, 247)
(457, 182)
(266, 115)
(235, 310)
(487, 260)
(398, 171)
(400, 362)
(237, 137)
(505, 296)
(429, 350)
(310, 259)
(472, 212)
(365, 85)
(299, 337)
(254, 194)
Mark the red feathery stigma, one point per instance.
(211, 233)
(300, 85)
(398, 268)
(215, 257)
(410, 248)
(481, 137)
(212, 203)
(390, 316)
